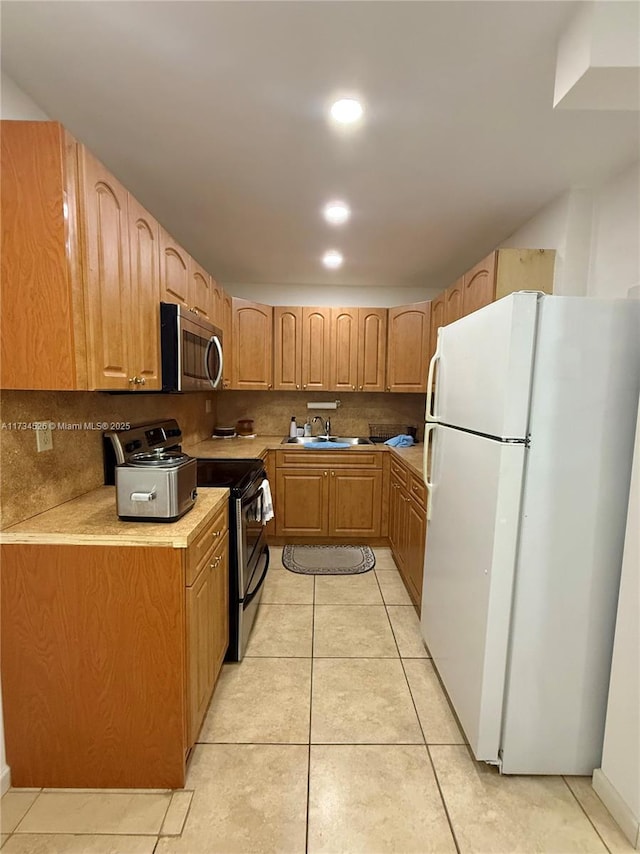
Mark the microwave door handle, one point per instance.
(214, 341)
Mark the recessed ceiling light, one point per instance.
(332, 259)
(336, 212)
(346, 111)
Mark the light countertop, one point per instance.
(239, 448)
(92, 519)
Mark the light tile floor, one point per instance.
(333, 735)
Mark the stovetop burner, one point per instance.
(236, 475)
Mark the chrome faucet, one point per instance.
(327, 425)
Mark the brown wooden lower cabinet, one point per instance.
(408, 527)
(324, 494)
(109, 659)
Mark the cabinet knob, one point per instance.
(304, 386)
(132, 379)
(388, 388)
(353, 387)
(216, 562)
(216, 533)
(361, 387)
(270, 385)
(297, 385)
(333, 474)
(325, 474)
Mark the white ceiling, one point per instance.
(214, 115)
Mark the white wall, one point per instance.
(331, 294)
(596, 234)
(16, 104)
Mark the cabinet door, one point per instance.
(174, 271)
(438, 307)
(302, 497)
(108, 283)
(200, 298)
(355, 502)
(408, 347)
(220, 593)
(372, 349)
(287, 348)
(40, 260)
(316, 344)
(453, 302)
(416, 527)
(479, 285)
(217, 304)
(227, 339)
(145, 297)
(201, 611)
(252, 335)
(343, 362)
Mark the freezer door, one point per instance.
(476, 485)
(483, 368)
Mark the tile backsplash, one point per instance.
(272, 410)
(33, 482)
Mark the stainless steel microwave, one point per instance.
(191, 350)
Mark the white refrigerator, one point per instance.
(532, 426)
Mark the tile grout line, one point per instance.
(579, 802)
(433, 767)
(313, 622)
(26, 813)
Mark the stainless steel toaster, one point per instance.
(148, 491)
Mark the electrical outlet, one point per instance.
(44, 437)
(207, 405)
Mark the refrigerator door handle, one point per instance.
(431, 396)
(428, 483)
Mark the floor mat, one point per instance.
(328, 560)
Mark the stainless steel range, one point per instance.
(248, 551)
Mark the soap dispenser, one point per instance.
(293, 427)
(307, 427)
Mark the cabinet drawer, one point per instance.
(201, 549)
(399, 472)
(419, 491)
(329, 460)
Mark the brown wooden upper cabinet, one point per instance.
(453, 301)
(505, 271)
(287, 348)
(438, 308)
(227, 339)
(42, 325)
(408, 347)
(252, 345)
(343, 362)
(372, 348)
(316, 348)
(174, 271)
(200, 291)
(144, 253)
(217, 304)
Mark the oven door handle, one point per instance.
(252, 594)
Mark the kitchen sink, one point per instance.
(343, 440)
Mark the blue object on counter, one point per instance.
(402, 441)
(331, 446)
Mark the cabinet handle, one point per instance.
(132, 379)
(216, 533)
(139, 380)
(216, 562)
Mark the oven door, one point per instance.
(249, 510)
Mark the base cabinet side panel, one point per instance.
(93, 666)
